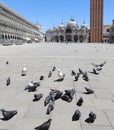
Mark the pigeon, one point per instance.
(24, 70)
(80, 71)
(60, 74)
(76, 115)
(85, 76)
(50, 74)
(95, 72)
(36, 84)
(99, 65)
(31, 87)
(53, 69)
(91, 118)
(50, 107)
(8, 81)
(8, 114)
(70, 93)
(89, 91)
(7, 62)
(80, 101)
(47, 100)
(102, 64)
(41, 77)
(76, 78)
(44, 126)
(58, 80)
(66, 98)
(55, 94)
(73, 73)
(99, 69)
(37, 97)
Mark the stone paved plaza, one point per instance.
(40, 58)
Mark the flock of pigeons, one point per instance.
(55, 94)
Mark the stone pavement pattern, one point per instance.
(40, 58)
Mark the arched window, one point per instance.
(75, 38)
(61, 38)
(68, 31)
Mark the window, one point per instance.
(107, 30)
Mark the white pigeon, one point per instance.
(60, 74)
(24, 70)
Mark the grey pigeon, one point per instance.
(50, 107)
(76, 115)
(41, 77)
(55, 94)
(53, 69)
(59, 80)
(80, 71)
(99, 65)
(8, 114)
(8, 81)
(99, 69)
(80, 101)
(102, 64)
(76, 78)
(95, 72)
(37, 97)
(85, 77)
(91, 118)
(31, 87)
(73, 73)
(47, 100)
(70, 93)
(7, 62)
(88, 91)
(50, 74)
(66, 98)
(44, 126)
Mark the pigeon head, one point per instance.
(59, 70)
(49, 120)
(2, 110)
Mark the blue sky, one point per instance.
(51, 13)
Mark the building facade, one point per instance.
(96, 20)
(70, 32)
(15, 28)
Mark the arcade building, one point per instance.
(15, 28)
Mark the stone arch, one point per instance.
(8, 36)
(56, 39)
(75, 38)
(81, 38)
(61, 38)
(3, 36)
(13, 37)
(68, 38)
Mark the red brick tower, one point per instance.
(96, 20)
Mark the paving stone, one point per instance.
(103, 104)
(40, 58)
(89, 127)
